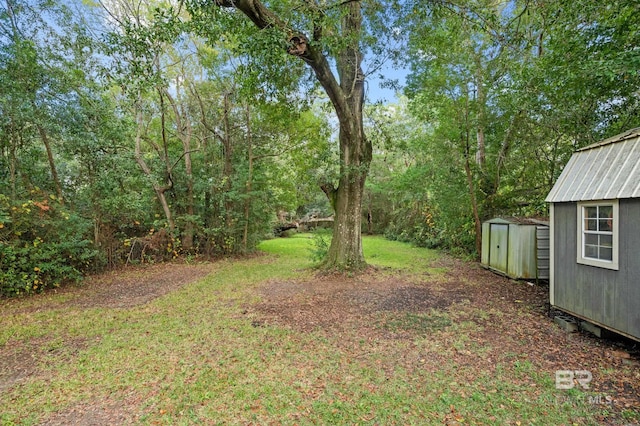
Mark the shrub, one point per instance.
(320, 245)
(414, 223)
(42, 245)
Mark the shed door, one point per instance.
(499, 246)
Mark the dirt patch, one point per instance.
(138, 286)
(506, 321)
(16, 364)
(123, 288)
(417, 299)
(96, 413)
(129, 287)
(333, 302)
(20, 360)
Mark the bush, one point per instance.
(42, 245)
(320, 245)
(415, 224)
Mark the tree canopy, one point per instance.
(134, 131)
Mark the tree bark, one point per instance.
(355, 150)
(159, 190)
(347, 98)
(249, 184)
(474, 204)
(184, 132)
(52, 164)
(345, 251)
(13, 164)
(227, 171)
(480, 103)
(470, 183)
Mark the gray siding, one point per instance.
(608, 297)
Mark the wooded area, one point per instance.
(143, 130)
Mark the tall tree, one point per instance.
(513, 88)
(456, 65)
(322, 35)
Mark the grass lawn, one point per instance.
(421, 339)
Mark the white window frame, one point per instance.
(601, 263)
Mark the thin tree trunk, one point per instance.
(159, 190)
(52, 164)
(470, 183)
(13, 166)
(474, 204)
(227, 170)
(480, 153)
(504, 149)
(247, 200)
(184, 133)
(480, 101)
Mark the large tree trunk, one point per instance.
(345, 251)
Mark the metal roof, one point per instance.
(513, 220)
(606, 170)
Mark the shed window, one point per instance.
(598, 234)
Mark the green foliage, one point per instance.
(587, 73)
(416, 190)
(510, 93)
(414, 223)
(42, 245)
(320, 242)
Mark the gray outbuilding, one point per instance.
(516, 247)
(595, 235)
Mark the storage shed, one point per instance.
(516, 247)
(595, 235)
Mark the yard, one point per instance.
(420, 338)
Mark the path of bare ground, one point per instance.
(123, 288)
(128, 287)
(505, 321)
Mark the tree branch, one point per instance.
(331, 192)
(263, 17)
(342, 3)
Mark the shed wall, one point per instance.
(608, 297)
(518, 250)
(542, 251)
(486, 234)
(522, 251)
